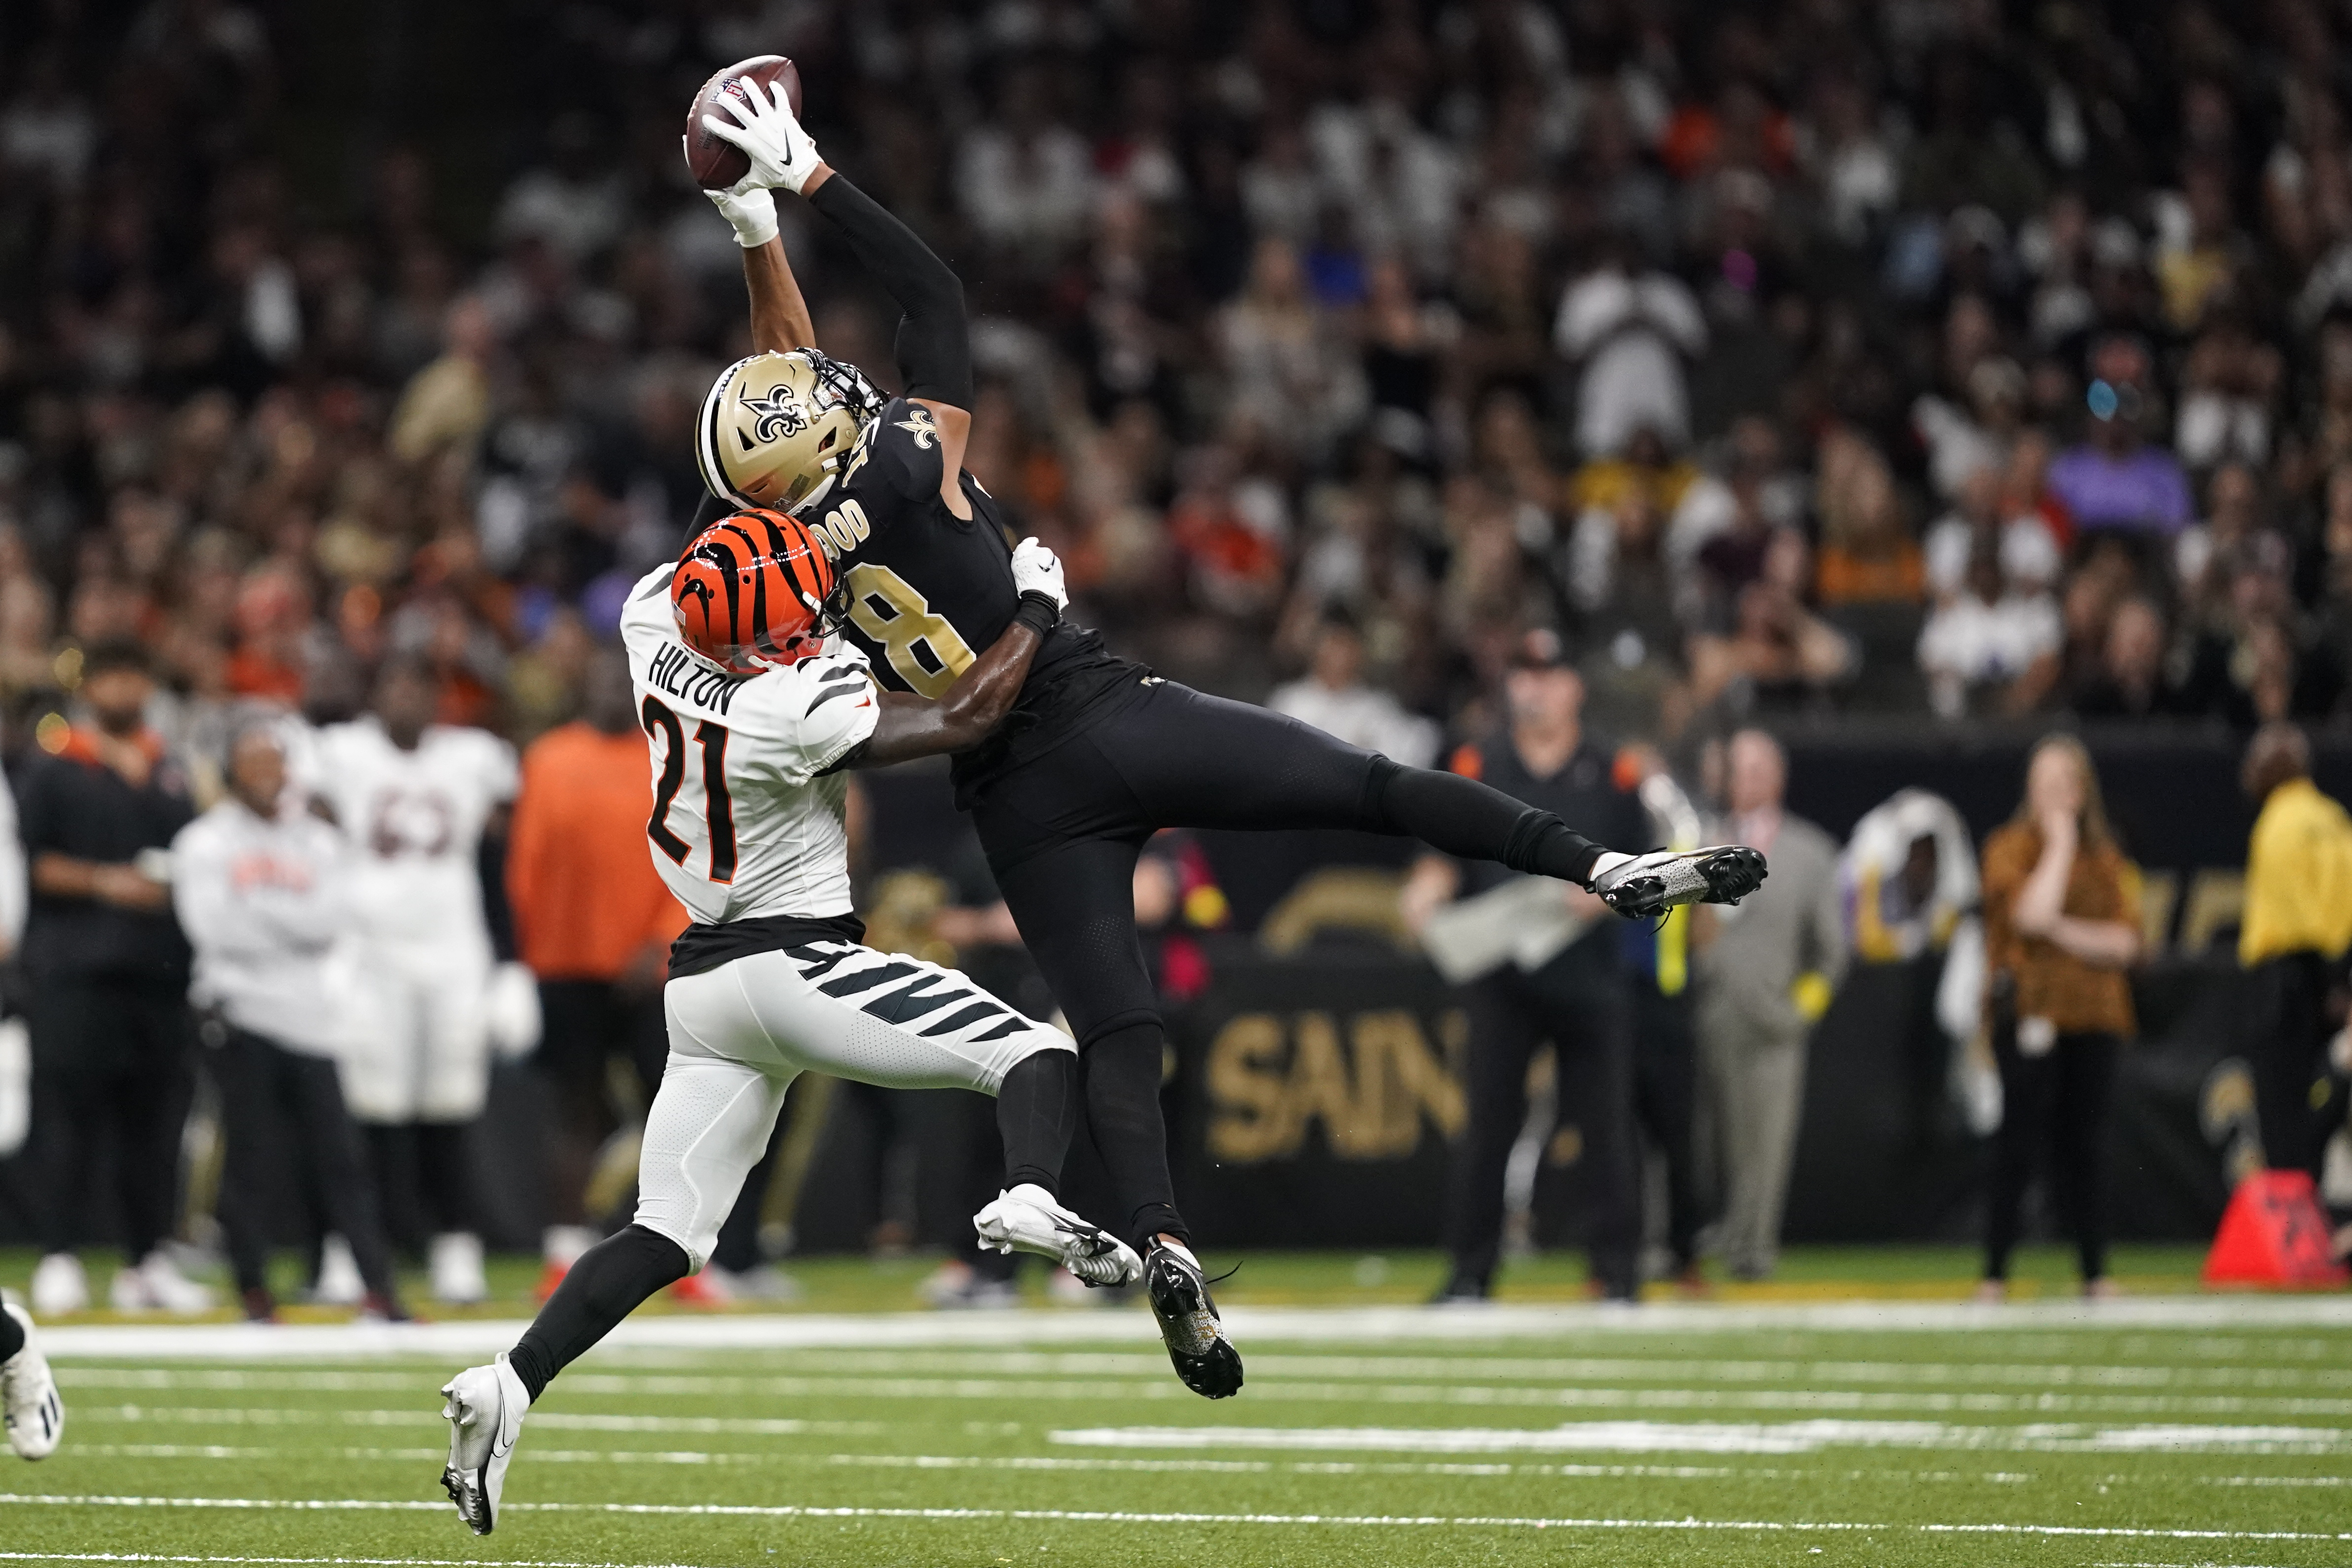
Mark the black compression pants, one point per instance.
(1063, 831)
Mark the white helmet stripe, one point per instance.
(706, 437)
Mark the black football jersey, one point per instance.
(928, 590)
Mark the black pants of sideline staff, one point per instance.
(2054, 1105)
(2286, 1034)
(278, 1104)
(112, 1073)
(1581, 1008)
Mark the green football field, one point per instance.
(1789, 1428)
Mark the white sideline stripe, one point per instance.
(476, 1336)
(1718, 1438)
(1106, 1516)
(1517, 1369)
(370, 1561)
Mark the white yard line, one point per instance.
(1341, 1326)
(1720, 1438)
(2043, 1375)
(1107, 1516)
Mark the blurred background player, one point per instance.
(262, 888)
(415, 799)
(594, 924)
(114, 1063)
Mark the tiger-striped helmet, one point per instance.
(777, 428)
(756, 590)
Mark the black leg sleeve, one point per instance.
(1036, 1116)
(1122, 1085)
(606, 1285)
(12, 1336)
(1472, 820)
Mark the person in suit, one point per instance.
(1766, 968)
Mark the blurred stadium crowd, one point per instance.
(1934, 357)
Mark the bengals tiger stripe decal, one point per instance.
(753, 586)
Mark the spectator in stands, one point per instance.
(1767, 970)
(2293, 941)
(1576, 1002)
(1334, 699)
(112, 1058)
(1628, 329)
(593, 923)
(2062, 926)
(1993, 646)
(260, 885)
(1868, 554)
(2128, 681)
(2116, 480)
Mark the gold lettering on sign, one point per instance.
(1371, 1092)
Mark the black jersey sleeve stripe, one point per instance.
(828, 694)
(956, 1021)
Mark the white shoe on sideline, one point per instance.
(1027, 1218)
(29, 1406)
(457, 1276)
(485, 1411)
(61, 1285)
(338, 1283)
(155, 1284)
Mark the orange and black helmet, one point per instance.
(755, 589)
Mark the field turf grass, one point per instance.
(1795, 1429)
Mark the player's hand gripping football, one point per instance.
(1037, 570)
(1639, 886)
(782, 156)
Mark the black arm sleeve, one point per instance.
(934, 345)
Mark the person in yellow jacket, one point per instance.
(2291, 942)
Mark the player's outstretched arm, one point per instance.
(934, 342)
(909, 726)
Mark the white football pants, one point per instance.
(739, 1034)
(420, 1035)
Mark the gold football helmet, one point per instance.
(776, 428)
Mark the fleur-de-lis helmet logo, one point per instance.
(779, 415)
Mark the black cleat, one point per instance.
(1203, 1357)
(1652, 883)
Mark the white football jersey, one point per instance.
(746, 820)
(414, 821)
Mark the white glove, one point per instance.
(782, 153)
(1037, 570)
(746, 204)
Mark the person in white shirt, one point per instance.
(1335, 700)
(415, 800)
(260, 885)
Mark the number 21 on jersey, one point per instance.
(664, 727)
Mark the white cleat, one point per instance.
(155, 1284)
(1640, 886)
(29, 1405)
(484, 1414)
(61, 1285)
(1027, 1218)
(457, 1276)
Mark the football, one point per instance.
(715, 161)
